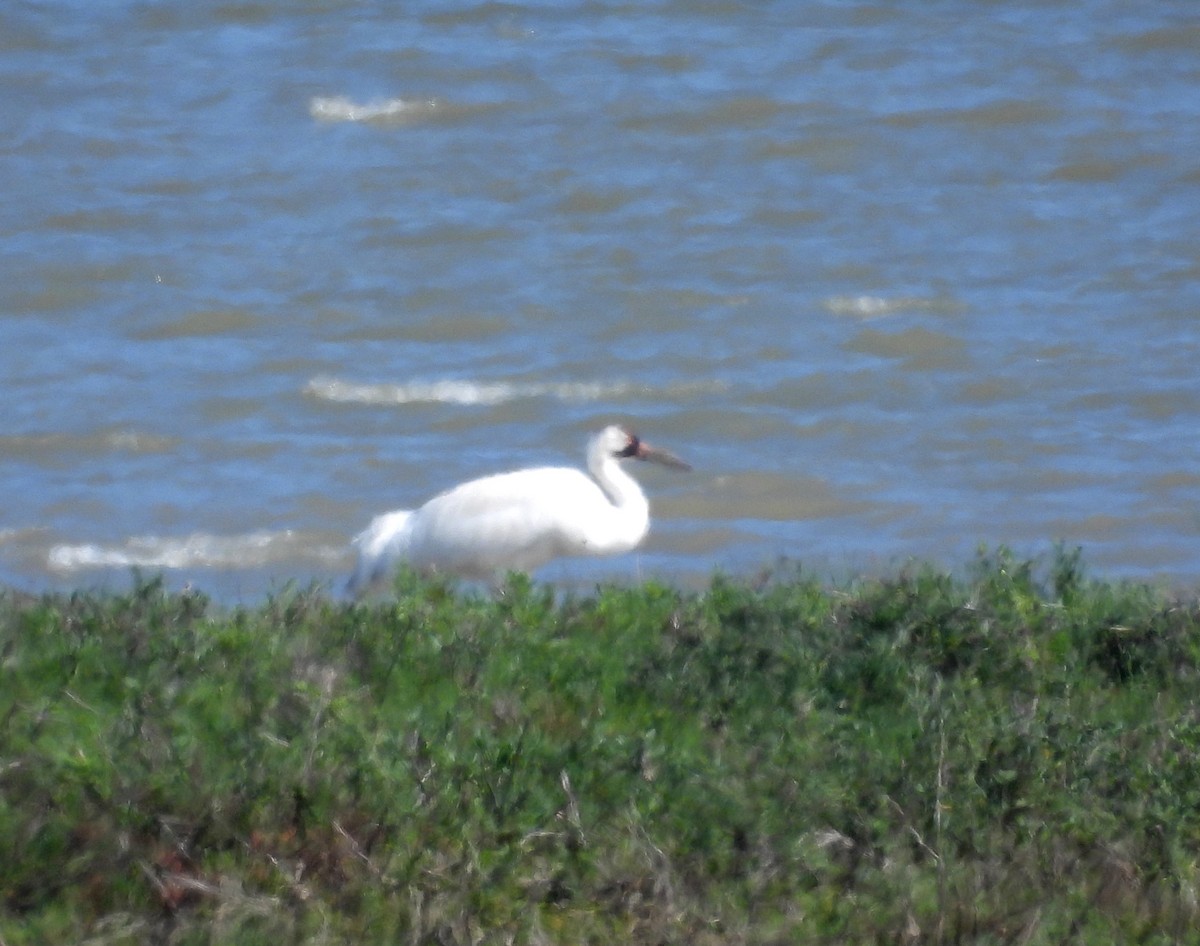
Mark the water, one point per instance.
(898, 279)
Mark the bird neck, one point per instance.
(621, 489)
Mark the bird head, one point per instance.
(624, 444)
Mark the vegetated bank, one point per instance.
(1004, 756)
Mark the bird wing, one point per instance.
(509, 521)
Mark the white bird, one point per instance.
(518, 521)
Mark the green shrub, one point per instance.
(1004, 754)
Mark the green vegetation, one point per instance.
(1005, 756)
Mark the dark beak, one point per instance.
(667, 459)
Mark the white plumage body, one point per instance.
(518, 521)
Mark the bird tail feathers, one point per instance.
(379, 546)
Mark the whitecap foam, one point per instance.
(338, 108)
(874, 307)
(486, 392)
(456, 392)
(199, 549)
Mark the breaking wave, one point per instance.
(196, 550)
(874, 307)
(488, 392)
(338, 108)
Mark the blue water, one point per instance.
(898, 280)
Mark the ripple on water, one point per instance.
(206, 323)
(776, 497)
(57, 448)
(919, 348)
